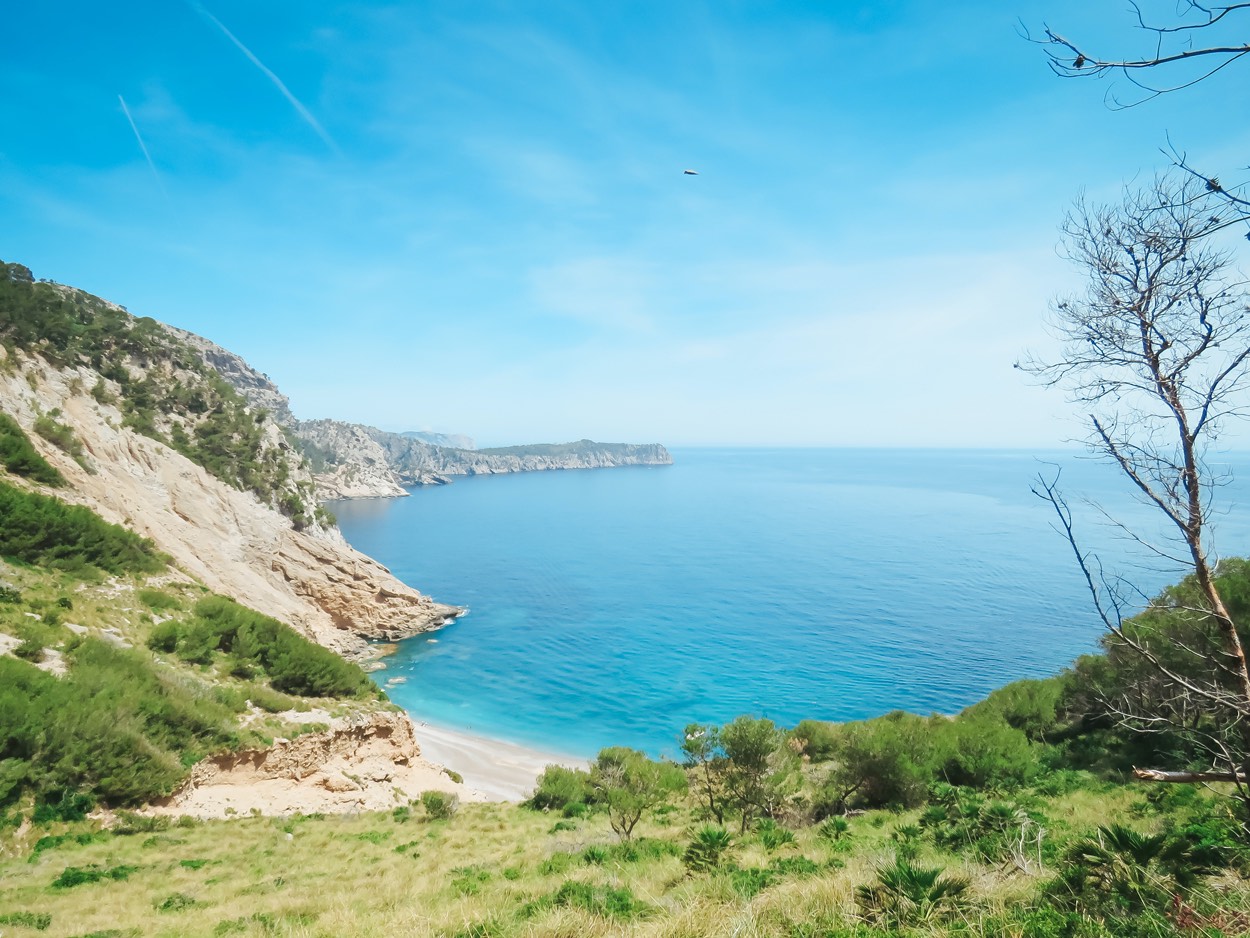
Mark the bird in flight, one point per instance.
(689, 172)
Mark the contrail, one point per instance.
(286, 92)
(142, 146)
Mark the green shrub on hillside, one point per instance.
(45, 531)
(114, 727)
(254, 641)
(60, 435)
(630, 784)
(558, 787)
(19, 457)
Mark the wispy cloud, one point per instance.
(142, 146)
(303, 112)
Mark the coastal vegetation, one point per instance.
(101, 703)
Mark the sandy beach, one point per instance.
(493, 769)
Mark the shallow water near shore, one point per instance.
(612, 607)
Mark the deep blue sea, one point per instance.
(612, 607)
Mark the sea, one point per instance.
(615, 606)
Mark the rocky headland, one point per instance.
(352, 460)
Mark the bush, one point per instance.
(60, 435)
(815, 739)
(164, 637)
(439, 805)
(158, 600)
(294, 664)
(1030, 706)
(706, 849)
(175, 902)
(73, 876)
(112, 729)
(19, 457)
(603, 901)
(559, 787)
(980, 752)
(48, 532)
(36, 920)
(629, 784)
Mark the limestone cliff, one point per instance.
(148, 440)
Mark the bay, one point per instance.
(612, 607)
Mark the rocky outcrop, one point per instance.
(371, 763)
(349, 463)
(221, 536)
(259, 390)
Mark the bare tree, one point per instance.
(1197, 42)
(1172, 45)
(1157, 352)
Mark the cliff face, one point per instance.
(224, 537)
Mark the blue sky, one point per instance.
(473, 217)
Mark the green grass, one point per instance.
(489, 871)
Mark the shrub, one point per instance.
(980, 752)
(706, 849)
(64, 805)
(559, 787)
(294, 664)
(630, 784)
(439, 805)
(45, 531)
(19, 457)
(1030, 706)
(36, 920)
(73, 876)
(603, 901)
(772, 835)
(164, 637)
(834, 828)
(60, 435)
(556, 864)
(175, 902)
(112, 729)
(815, 739)
(158, 600)
(905, 895)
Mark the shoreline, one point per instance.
(492, 769)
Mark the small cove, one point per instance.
(614, 606)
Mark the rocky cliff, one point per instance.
(149, 439)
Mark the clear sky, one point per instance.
(473, 217)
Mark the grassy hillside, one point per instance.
(504, 870)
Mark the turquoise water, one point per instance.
(615, 606)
